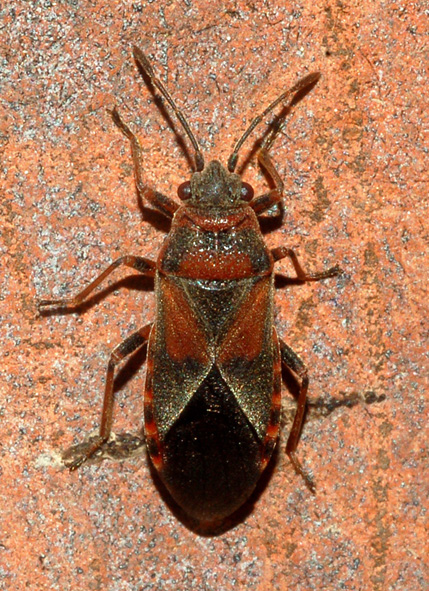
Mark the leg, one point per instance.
(145, 266)
(163, 203)
(131, 344)
(281, 252)
(291, 360)
(267, 200)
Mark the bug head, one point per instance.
(215, 187)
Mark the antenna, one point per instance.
(145, 65)
(305, 84)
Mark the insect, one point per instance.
(212, 398)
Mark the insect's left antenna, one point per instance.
(145, 65)
(298, 91)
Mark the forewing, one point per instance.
(180, 351)
(246, 356)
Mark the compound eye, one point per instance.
(246, 192)
(184, 190)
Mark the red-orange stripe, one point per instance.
(153, 442)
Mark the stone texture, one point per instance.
(353, 159)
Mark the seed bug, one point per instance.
(213, 382)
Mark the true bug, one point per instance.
(213, 384)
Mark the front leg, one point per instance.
(273, 197)
(163, 203)
(141, 264)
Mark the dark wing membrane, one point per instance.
(213, 455)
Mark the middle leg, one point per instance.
(141, 264)
(282, 251)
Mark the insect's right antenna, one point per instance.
(145, 65)
(298, 91)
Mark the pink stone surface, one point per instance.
(354, 162)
